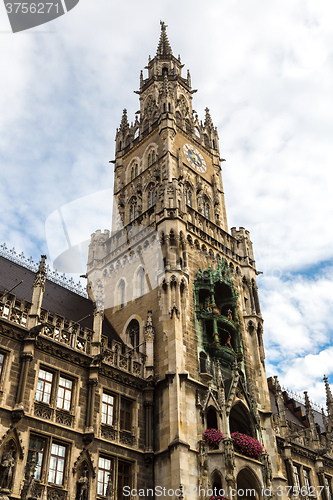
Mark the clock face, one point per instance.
(195, 158)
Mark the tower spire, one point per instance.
(329, 398)
(164, 48)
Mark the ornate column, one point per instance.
(89, 432)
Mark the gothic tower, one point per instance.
(181, 291)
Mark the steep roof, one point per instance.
(57, 299)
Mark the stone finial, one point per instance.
(329, 398)
(188, 78)
(323, 416)
(141, 79)
(40, 276)
(308, 409)
(124, 125)
(164, 48)
(208, 120)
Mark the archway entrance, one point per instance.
(248, 486)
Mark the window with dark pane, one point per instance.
(36, 448)
(125, 414)
(124, 470)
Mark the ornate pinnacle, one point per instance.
(163, 48)
(308, 408)
(40, 276)
(329, 398)
(141, 79)
(124, 125)
(188, 78)
(208, 120)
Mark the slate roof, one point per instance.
(56, 299)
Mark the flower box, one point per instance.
(247, 445)
(213, 437)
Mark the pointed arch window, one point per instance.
(133, 210)
(133, 333)
(153, 157)
(142, 281)
(207, 210)
(188, 196)
(151, 199)
(121, 293)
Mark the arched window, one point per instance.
(153, 156)
(240, 420)
(132, 173)
(211, 419)
(149, 160)
(133, 210)
(207, 210)
(188, 196)
(136, 170)
(151, 198)
(121, 293)
(203, 362)
(133, 333)
(142, 281)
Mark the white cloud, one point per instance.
(264, 69)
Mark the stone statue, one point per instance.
(7, 469)
(82, 487)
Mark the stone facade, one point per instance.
(87, 409)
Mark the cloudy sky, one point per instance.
(265, 70)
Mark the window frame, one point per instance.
(328, 486)
(35, 450)
(123, 413)
(105, 471)
(122, 475)
(106, 393)
(66, 390)
(58, 459)
(44, 382)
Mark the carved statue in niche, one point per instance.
(7, 469)
(82, 486)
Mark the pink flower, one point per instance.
(212, 437)
(247, 445)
